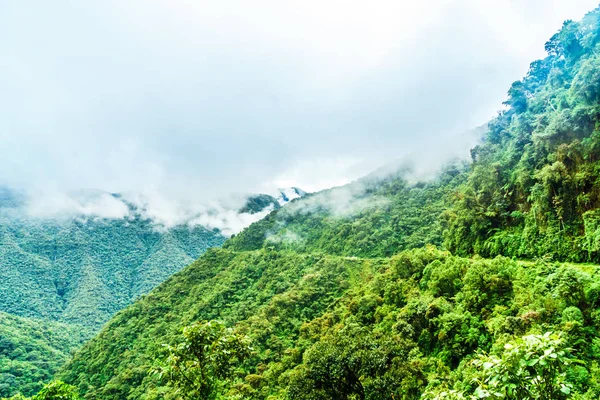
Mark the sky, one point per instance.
(192, 100)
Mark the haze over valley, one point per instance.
(299, 200)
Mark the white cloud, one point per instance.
(195, 99)
(163, 211)
(55, 204)
(317, 174)
(228, 222)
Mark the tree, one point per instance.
(57, 390)
(201, 365)
(532, 367)
(353, 363)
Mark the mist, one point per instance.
(180, 103)
(163, 212)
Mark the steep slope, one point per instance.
(83, 272)
(533, 190)
(31, 351)
(376, 216)
(79, 273)
(420, 313)
(325, 324)
(81, 268)
(233, 287)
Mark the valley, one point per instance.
(480, 281)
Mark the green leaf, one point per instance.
(532, 362)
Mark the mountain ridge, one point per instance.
(80, 269)
(342, 297)
(387, 288)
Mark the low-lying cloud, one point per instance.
(228, 222)
(163, 212)
(195, 100)
(57, 205)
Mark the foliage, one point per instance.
(202, 364)
(353, 362)
(376, 216)
(532, 190)
(84, 271)
(31, 351)
(77, 272)
(269, 293)
(342, 297)
(57, 390)
(532, 367)
(359, 328)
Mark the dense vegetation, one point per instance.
(375, 216)
(83, 271)
(55, 390)
(31, 351)
(322, 325)
(221, 285)
(533, 189)
(338, 295)
(78, 272)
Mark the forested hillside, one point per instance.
(533, 189)
(223, 285)
(316, 323)
(375, 216)
(83, 272)
(80, 271)
(32, 350)
(387, 288)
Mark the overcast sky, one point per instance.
(198, 98)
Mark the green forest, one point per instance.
(82, 272)
(482, 283)
(63, 279)
(32, 350)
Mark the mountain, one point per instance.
(403, 321)
(259, 202)
(533, 187)
(289, 194)
(32, 350)
(73, 268)
(78, 273)
(375, 216)
(342, 294)
(470, 285)
(83, 271)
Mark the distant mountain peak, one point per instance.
(259, 202)
(288, 194)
